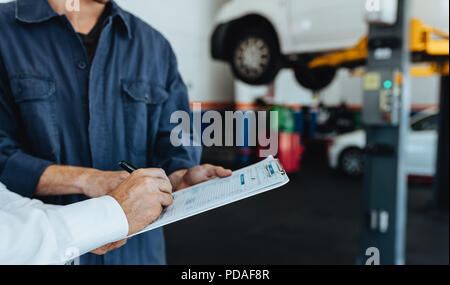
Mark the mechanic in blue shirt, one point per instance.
(81, 91)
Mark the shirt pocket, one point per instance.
(143, 101)
(34, 97)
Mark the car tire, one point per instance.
(315, 79)
(351, 162)
(255, 56)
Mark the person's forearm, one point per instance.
(66, 180)
(63, 180)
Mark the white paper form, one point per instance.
(261, 177)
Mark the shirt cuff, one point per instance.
(22, 172)
(93, 223)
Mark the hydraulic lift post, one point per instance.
(440, 198)
(387, 53)
(386, 111)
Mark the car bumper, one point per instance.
(333, 156)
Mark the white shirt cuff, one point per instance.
(92, 224)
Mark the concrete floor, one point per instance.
(315, 219)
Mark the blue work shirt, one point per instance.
(57, 108)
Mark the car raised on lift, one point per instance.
(259, 37)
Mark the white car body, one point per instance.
(421, 147)
(310, 26)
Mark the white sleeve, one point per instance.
(34, 233)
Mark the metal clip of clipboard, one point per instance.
(279, 166)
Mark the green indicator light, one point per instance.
(388, 84)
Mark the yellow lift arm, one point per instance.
(425, 40)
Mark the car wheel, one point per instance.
(315, 79)
(352, 162)
(255, 57)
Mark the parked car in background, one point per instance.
(336, 120)
(258, 37)
(346, 151)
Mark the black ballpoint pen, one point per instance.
(127, 167)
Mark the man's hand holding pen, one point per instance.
(142, 195)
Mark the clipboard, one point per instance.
(247, 182)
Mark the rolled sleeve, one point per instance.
(22, 172)
(19, 171)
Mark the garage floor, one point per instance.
(315, 219)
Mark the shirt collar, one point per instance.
(124, 17)
(38, 11)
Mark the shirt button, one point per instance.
(82, 65)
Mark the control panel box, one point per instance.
(382, 97)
